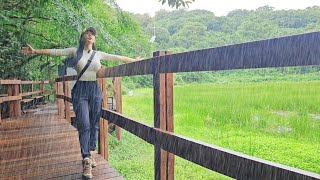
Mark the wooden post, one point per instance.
(17, 102)
(10, 104)
(60, 101)
(0, 112)
(103, 135)
(55, 92)
(42, 87)
(118, 96)
(67, 92)
(14, 106)
(163, 119)
(169, 119)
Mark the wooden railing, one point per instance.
(298, 50)
(15, 95)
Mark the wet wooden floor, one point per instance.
(40, 145)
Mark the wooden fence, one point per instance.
(15, 95)
(297, 50)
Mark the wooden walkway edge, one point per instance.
(40, 145)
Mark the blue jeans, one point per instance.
(87, 100)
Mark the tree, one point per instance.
(177, 3)
(186, 37)
(56, 24)
(238, 12)
(198, 29)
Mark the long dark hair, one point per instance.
(79, 52)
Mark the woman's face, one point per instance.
(89, 38)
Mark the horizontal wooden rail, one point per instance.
(227, 162)
(10, 98)
(143, 67)
(31, 82)
(48, 91)
(66, 78)
(36, 82)
(2, 81)
(66, 98)
(297, 50)
(31, 93)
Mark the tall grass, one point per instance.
(279, 122)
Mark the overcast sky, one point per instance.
(218, 7)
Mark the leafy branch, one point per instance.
(177, 3)
(32, 17)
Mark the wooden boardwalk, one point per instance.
(40, 145)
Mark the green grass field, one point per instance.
(276, 121)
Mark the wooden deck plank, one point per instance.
(26, 123)
(36, 170)
(23, 164)
(101, 171)
(32, 121)
(16, 134)
(14, 162)
(31, 151)
(65, 170)
(28, 140)
(44, 147)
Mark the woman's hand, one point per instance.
(27, 50)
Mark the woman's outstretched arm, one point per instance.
(50, 52)
(106, 56)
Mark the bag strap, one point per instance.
(86, 66)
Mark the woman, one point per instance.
(86, 95)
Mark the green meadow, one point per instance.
(276, 121)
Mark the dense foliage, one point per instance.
(183, 30)
(58, 24)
